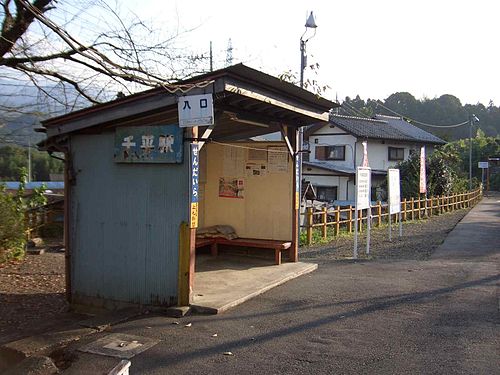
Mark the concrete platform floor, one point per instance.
(225, 281)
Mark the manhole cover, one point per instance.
(119, 345)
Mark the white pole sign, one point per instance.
(195, 110)
(363, 175)
(362, 202)
(394, 192)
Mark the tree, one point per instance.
(72, 59)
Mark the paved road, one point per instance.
(438, 316)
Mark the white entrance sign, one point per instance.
(363, 177)
(482, 164)
(195, 110)
(394, 191)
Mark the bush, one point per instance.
(12, 228)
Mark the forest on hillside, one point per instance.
(443, 111)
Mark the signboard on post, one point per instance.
(362, 202)
(363, 176)
(194, 196)
(394, 191)
(423, 178)
(195, 110)
(394, 199)
(483, 165)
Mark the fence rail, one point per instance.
(342, 218)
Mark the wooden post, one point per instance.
(183, 294)
(337, 221)
(431, 200)
(419, 206)
(404, 210)
(441, 206)
(379, 213)
(350, 219)
(309, 224)
(360, 221)
(412, 208)
(325, 221)
(192, 237)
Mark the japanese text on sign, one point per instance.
(148, 144)
(195, 175)
(195, 110)
(363, 182)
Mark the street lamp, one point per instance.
(310, 24)
(472, 120)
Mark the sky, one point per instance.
(371, 48)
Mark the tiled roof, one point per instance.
(384, 127)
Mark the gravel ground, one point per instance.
(32, 296)
(32, 291)
(420, 238)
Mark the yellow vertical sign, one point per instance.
(194, 215)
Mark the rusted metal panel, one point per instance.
(125, 224)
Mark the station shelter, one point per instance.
(139, 187)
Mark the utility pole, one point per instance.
(472, 119)
(211, 58)
(229, 53)
(29, 158)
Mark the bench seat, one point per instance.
(277, 246)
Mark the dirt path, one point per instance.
(32, 296)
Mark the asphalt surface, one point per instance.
(434, 316)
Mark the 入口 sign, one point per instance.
(195, 110)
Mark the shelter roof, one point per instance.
(263, 102)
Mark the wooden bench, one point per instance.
(277, 246)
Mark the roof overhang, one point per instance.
(238, 91)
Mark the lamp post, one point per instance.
(472, 119)
(310, 24)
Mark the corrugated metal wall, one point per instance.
(125, 224)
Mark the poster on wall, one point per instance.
(148, 144)
(277, 159)
(231, 187)
(255, 169)
(233, 161)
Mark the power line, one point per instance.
(353, 109)
(419, 122)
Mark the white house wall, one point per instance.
(378, 157)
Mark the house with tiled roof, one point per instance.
(336, 150)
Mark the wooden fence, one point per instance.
(38, 218)
(342, 218)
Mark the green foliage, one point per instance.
(448, 167)
(13, 158)
(12, 228)
(444, 110)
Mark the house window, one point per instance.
(330, 152)
(396, 153)
(326, 194)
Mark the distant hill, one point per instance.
(442, 111)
